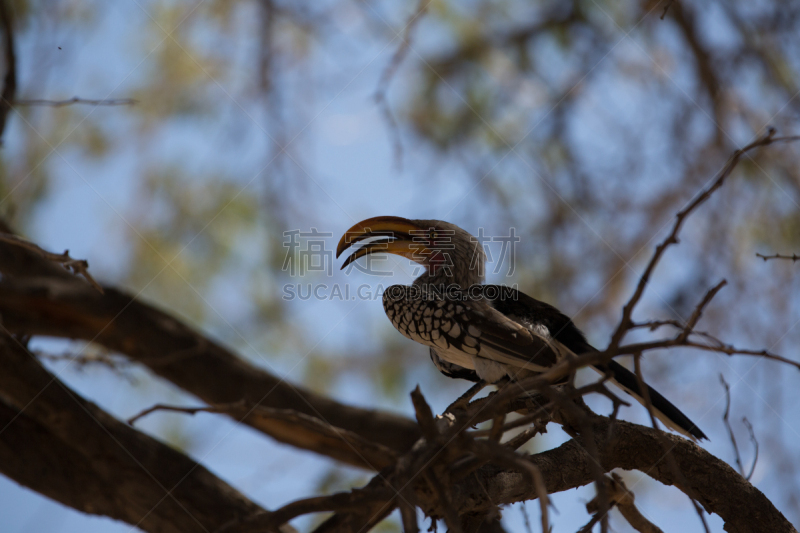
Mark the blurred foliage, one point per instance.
(584, 124)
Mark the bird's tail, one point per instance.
(668, 414)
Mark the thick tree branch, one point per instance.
(171, 349)
(720, 489)
(70, 450)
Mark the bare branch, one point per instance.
(726, 419)
(698, 311)
(625, 322)
(75, 100)
(237, 406)
(753, 439)
(792, 258)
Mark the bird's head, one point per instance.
(448, 253)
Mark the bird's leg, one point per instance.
(463, 401)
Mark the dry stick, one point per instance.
(726, 419)
(76, 100)
(792, 258)
(747, 423)
(625, 322)
(77, 266)
(668, 455)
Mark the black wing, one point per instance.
(529, 311)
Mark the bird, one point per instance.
(487, 334)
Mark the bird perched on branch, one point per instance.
(482, 333)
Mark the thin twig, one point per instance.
(755, 444)
(698, 311)
(77, 266)
(792, 258)
(75, 100)
(222, 408)
(726, 419)
(525, 517)
(727, 349)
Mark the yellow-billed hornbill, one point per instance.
(479, 332)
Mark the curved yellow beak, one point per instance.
(398, 236)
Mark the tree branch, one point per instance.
(77, 266)
(792, 258)
(56, 443)
(625, 322)
(76, 100)
(171, 349)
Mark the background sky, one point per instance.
(585, 138)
